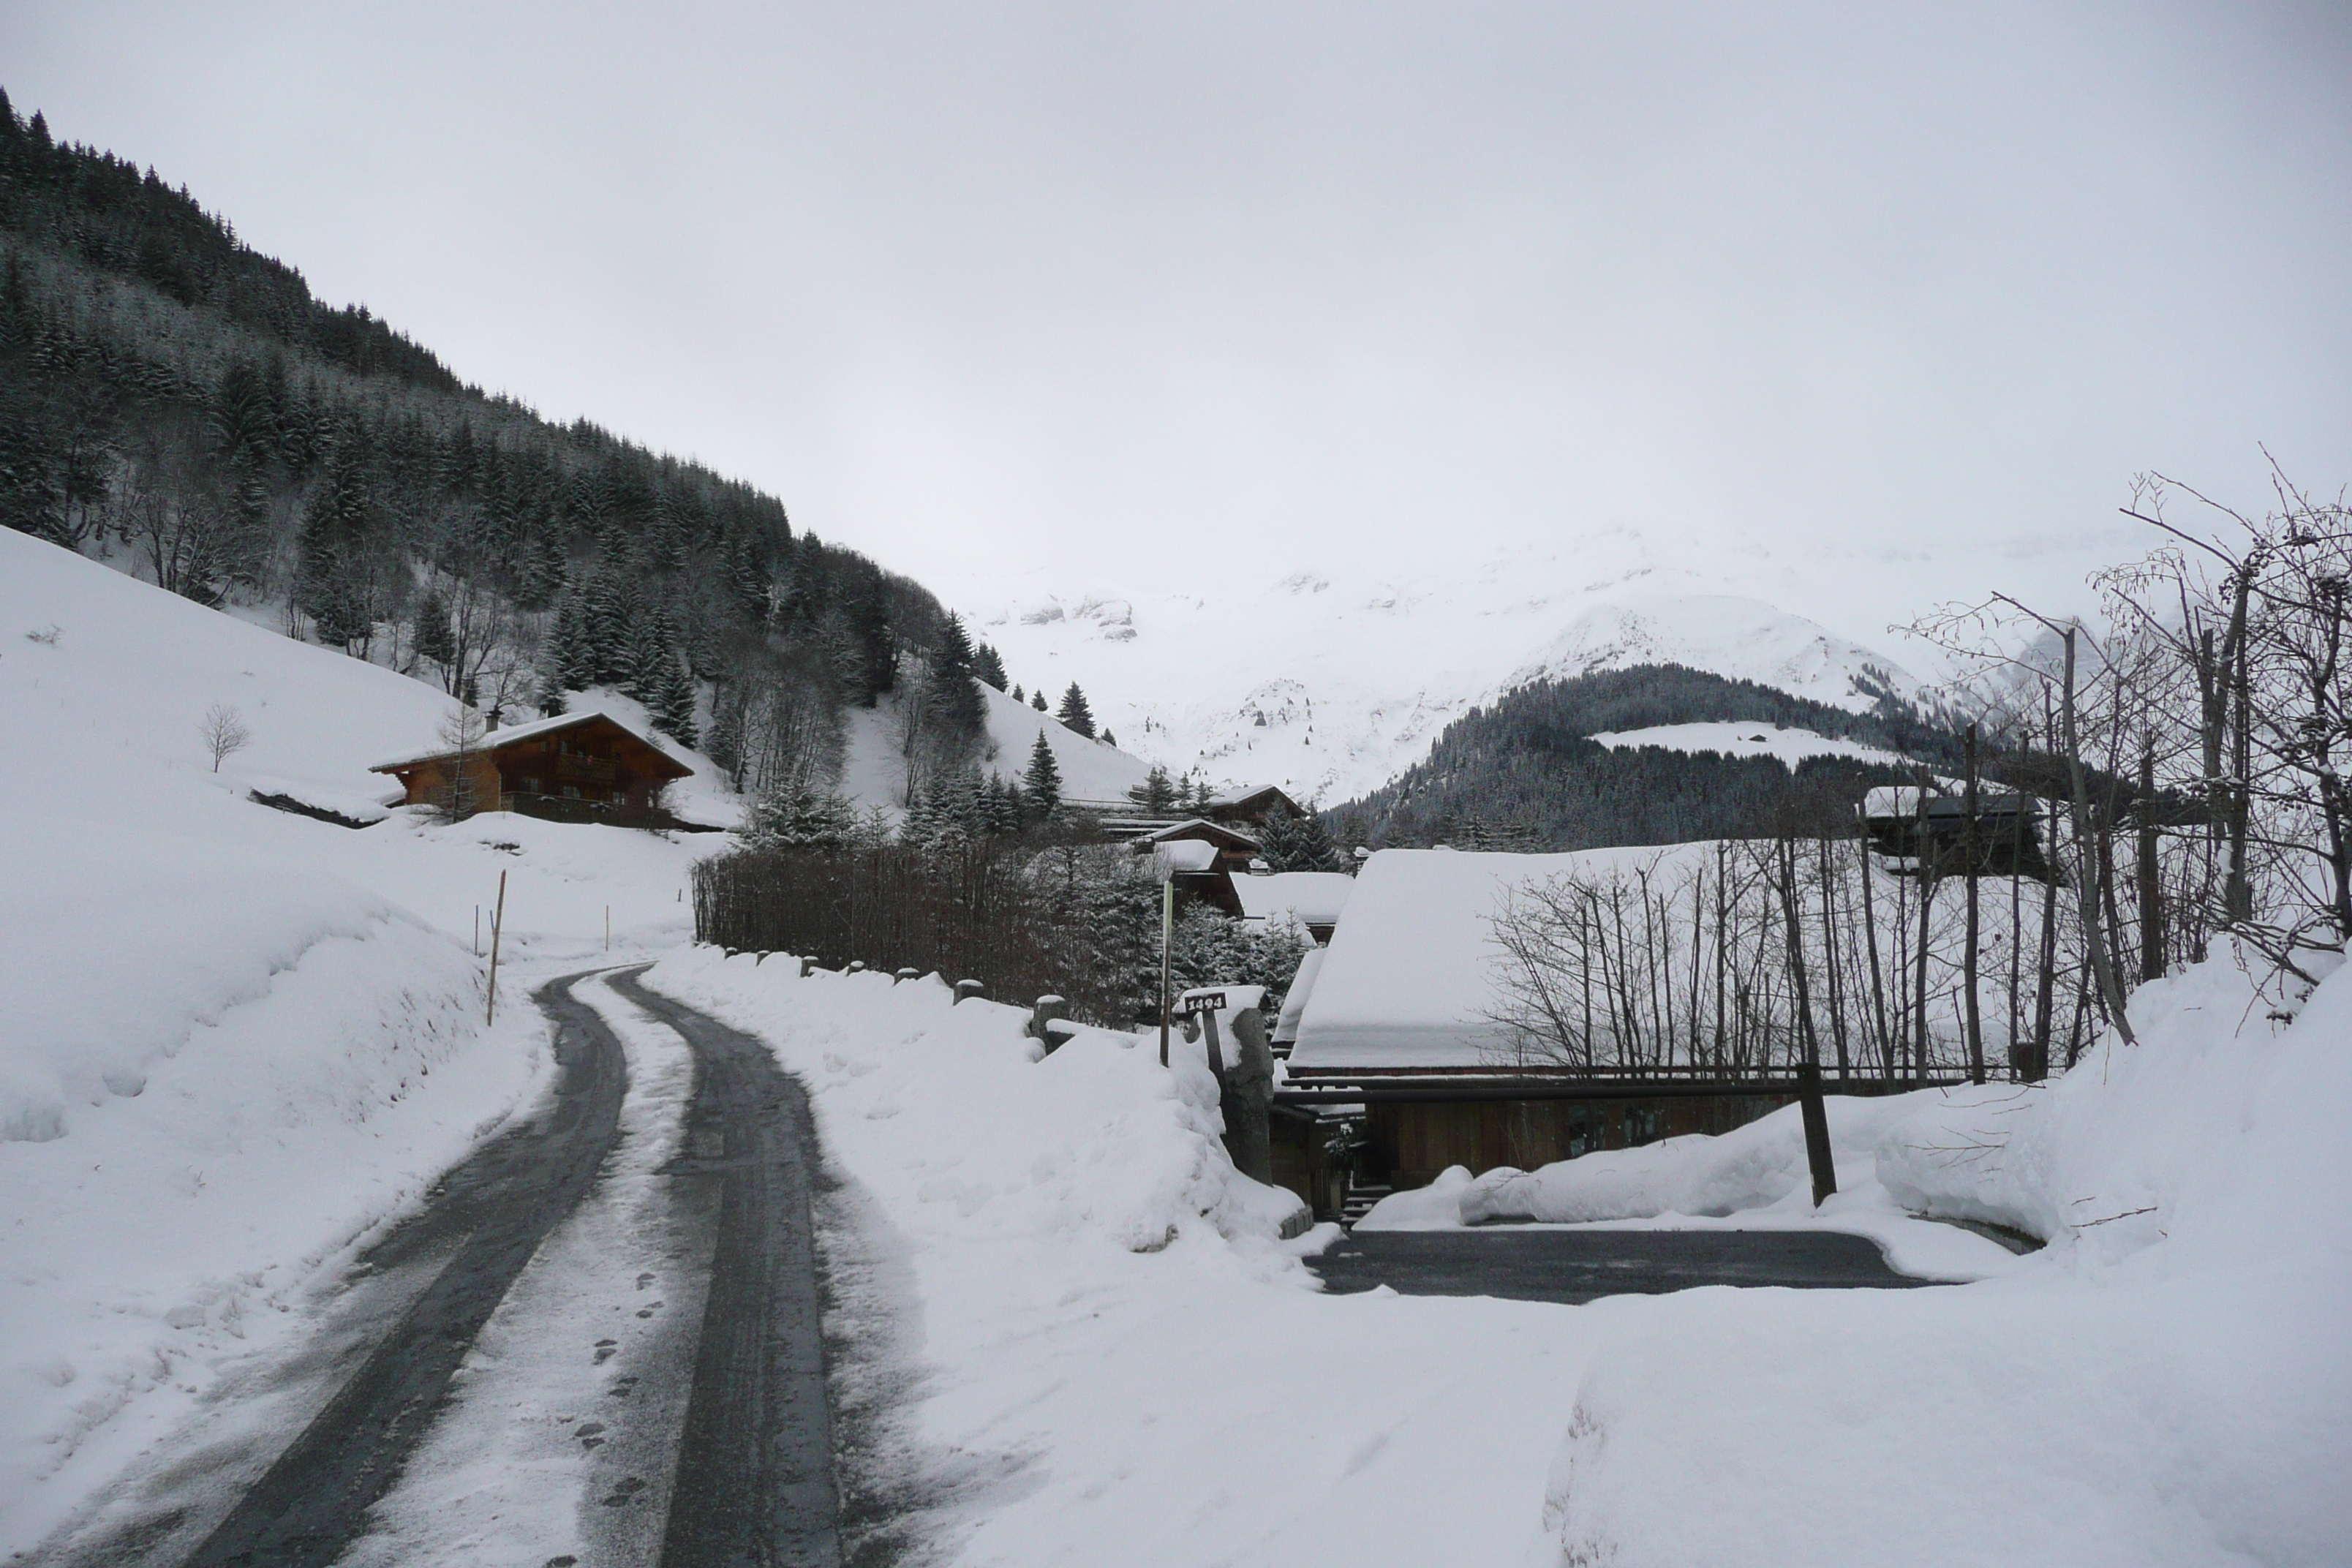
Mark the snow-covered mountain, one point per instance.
(1330, 683)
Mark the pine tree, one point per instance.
(1074, 713)
(570, 663)
(1042, 780)
(1290, 843)
(1109, 738)
(673, 702)
(1038, 701)
(799, 817)
(1157, 793)
(433, 640)
(605, 627)
(987, 665)
(956, 689)
(1019, 695)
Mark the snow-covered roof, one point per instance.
(1903, 800)
(1193, 826)
(508, 735)
(1243, 797)
(1302, 986)
(1187, 855)
(1315, 897)
(1409, 978)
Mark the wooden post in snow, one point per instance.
(498, 928)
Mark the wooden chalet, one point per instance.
(1252, 807)
(1930, 835)
(575, 767)
(1235, 847)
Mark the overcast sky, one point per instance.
(1068, 286)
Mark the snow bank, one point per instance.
(119, 949)
(1753, 1167)
(990, 1143)
(208, 1167)
(2169, 1385)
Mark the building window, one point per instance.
(572, 791)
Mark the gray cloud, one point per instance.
(989, 286)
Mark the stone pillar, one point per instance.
(1248, 1097)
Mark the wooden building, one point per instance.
(1399, 1019)
(1931, 834)
(575, 767)
(1252, 807)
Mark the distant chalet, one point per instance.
(575, 767)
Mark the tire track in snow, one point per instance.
(313, 1501)
(754, 1481)
(413, 1303)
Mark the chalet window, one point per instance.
(572, 791)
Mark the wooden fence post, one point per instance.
(498, 928)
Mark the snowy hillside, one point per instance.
(1330, 683)
(873, 771)
(235, 1038)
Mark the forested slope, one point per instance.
(176, 401)
(1523, 773)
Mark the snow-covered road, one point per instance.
(459, 1360)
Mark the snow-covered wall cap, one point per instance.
(1236, 996)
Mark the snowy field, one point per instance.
(1112, 1363)
(1738, 739)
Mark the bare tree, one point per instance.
(224, 731)
(461, 732)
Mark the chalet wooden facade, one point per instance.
(573, 767)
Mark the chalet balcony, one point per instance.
(610, 814)
(597, 770)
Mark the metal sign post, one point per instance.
(1167, 962)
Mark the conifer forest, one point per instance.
(169, 395)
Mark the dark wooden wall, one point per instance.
(1409, 1142)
